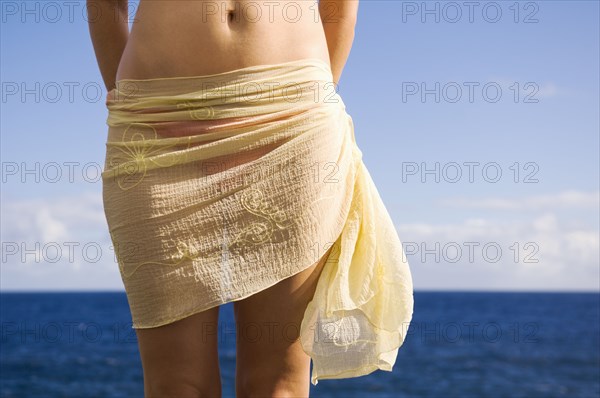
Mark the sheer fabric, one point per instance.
(216, 187)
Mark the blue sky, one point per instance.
(544, 141)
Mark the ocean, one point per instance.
(459, 344)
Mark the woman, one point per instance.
(176, 49)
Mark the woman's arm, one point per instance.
(339, 19)
(109, 30)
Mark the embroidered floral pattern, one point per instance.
(130, 159)
(272, 218)
(183, 253)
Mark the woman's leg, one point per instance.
(270, 361)
(181, 359)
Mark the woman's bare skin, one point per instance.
(172, 38)
(214, 36)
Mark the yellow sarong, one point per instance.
(219, 186)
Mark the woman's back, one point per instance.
(171, 38)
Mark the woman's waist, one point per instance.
(147, 145)
(250, 91)
(183, 130)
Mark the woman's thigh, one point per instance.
(181, 358)
(270, 360)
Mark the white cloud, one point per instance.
(570, 198)
(540, 252)
(51, 220)
(57, 243)
(528, 88)
(545, 90)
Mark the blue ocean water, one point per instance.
(460, 344)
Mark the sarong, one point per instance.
(216, 187)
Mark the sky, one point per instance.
(479, 126)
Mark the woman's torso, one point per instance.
(171, 38)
